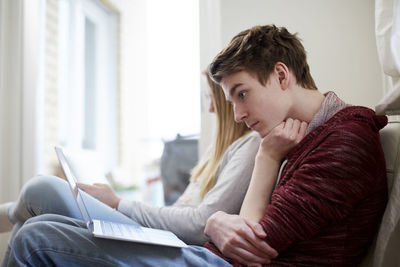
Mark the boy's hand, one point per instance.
(239, 238)
(282, 139)
(102, 192)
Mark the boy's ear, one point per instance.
(283, 74)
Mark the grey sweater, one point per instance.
(188, 217)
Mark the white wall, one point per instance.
(337, 34)
(10, 98)
(10, 105)
(19, 54)
(210, 45)
(19, 92)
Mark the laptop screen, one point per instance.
(72, 182)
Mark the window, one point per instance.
(88, 80)
(173, 67)
(121, 103)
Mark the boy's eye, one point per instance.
(242, 94)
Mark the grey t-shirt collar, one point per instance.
(330, 106)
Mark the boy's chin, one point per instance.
(263, 133)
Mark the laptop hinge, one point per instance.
(90, 226)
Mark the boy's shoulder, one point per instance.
(354, 126)
(353, 115)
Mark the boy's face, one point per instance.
(261, 107)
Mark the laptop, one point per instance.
(114, 230)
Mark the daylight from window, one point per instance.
(173, 70)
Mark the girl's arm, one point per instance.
(227, 195)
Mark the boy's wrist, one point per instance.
(263, 156)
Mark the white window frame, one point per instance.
(73, 14)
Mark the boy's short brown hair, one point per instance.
(257, 50)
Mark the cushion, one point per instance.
(390, 103)
(384, 251)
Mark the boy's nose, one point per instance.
(240, 114)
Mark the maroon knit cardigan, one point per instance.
(331, 195)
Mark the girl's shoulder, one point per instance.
(249, 141)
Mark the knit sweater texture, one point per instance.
(331, 196)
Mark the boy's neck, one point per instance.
(306, 103)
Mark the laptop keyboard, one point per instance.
(122, 230)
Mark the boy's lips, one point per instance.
(252, 126)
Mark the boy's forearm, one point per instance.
(260, 189)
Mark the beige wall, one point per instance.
(339, 36)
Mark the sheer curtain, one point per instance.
(387, 29)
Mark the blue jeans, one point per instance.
(52, 195)
(54, 240)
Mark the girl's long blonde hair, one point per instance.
(227, 132)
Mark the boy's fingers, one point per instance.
(296, 125)
(288, 124)
(259, 230)
(263, 246)
(303, 127)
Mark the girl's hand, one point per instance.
(102, 192)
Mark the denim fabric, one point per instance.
(54, 240)
(52, 195)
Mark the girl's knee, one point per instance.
(45, 194)
(41, 186)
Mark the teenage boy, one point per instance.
(332, 191)
(325, 206)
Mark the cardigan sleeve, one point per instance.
(323, 186)
(227, 195)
